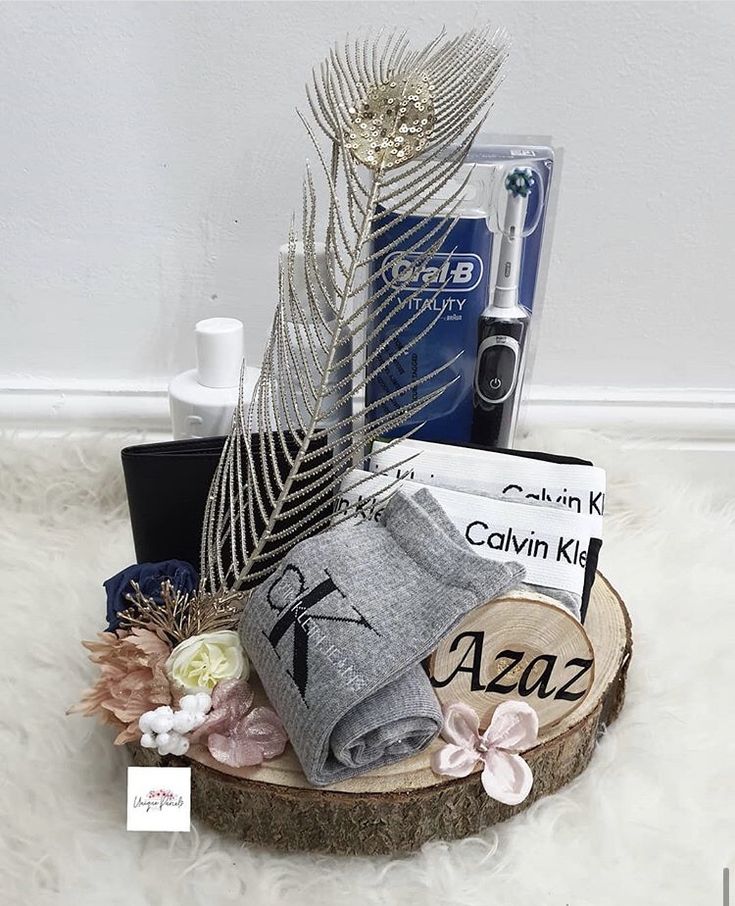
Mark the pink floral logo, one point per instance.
(158, 800)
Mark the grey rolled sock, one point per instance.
(338, 632)
(362, 738)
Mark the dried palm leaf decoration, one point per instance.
(398, 125)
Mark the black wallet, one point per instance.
(167, 486)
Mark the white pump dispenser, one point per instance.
(203, 399)
(306, 335)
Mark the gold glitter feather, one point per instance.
(393, 123)
(398, 123)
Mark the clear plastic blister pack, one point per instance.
(483, 286)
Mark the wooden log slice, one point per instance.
(521, 646)
(399, 808)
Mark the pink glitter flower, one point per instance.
(236, 736)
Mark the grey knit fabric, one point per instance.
(338, 632)
(568, 599)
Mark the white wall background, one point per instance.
(150, 158)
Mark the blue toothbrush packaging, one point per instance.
(483, 283)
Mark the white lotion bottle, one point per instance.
(203, 399)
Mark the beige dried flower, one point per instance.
(132, 681)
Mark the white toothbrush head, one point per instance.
(520, 181)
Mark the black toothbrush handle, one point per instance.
(497, 374)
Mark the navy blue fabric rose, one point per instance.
(149, 576)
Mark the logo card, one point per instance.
(159, 799)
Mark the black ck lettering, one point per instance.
(570, 551)
(597, 503)
(289, 596)
(506, 540)
(571, 501)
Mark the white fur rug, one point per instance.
(651, 821)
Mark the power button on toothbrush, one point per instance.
(497, 368)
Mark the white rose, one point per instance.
(202, 661)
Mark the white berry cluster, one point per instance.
(165, 729)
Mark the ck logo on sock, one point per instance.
(295, 604)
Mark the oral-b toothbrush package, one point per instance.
(482, 284)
